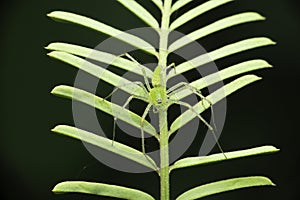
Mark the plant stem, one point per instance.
(163, 118)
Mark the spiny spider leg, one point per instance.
(143, 70)
(129, 99)
(115, 118)
(126, 103)
(182, 86)
(172, 65)
(143, 136)
(203, 120)
(125, 85)
(142, 126)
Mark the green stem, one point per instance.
(163, 119)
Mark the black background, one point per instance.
(33, 159)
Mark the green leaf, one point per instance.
(214, 27)
(213, 98)
(107, 144)
(100, 73)
(224, 186)
(195, 12)
(221, 53)
(103, 28)
(203, 160)
(101, 57)
(101, 190)
(179, 4)
(158, 3)
(222, 75)
(105, 106)
(141, 12)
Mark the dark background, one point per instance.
(33, 159)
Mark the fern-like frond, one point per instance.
(75, 55)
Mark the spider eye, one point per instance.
(159, 101)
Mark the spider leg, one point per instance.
(205, 122)
(143, 70)
(142, 127)
(115, 118)
(182, 86)
(175, 88)
(172, 65)
(143, 136)
(126, 85)
(125, 104)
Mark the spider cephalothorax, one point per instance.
(158, 96)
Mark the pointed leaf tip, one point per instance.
(52, 13)
(58, 127)
(49, 14)
(52, 91)
(46, 47)
(49, 46)
(52, 54)
(254, 77)
(259, 16)
(268, 40)
(57, 88)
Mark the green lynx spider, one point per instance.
(158, 98)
